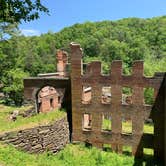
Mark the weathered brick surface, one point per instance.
(61, 62)
(49, 99)
(136, 110)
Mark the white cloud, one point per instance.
(30, 32)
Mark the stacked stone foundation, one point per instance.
(51, 137)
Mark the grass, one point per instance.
(43, 119)
(127, 126)
(72, 155)
(106, 125)
(23, 123)
(148, 128)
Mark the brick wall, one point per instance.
(115, 110)
(49, 99)
(61, 62)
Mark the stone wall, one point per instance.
(51, 137)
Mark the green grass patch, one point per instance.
(22, 123)
(127, 126)
(148, 151)
(127, 150)
(106, 125)
(72, 155)
(148, 127)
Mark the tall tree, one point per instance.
(17, 10)
(8, 29)
(13, 12)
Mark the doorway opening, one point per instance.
(49, 99)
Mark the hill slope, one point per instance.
(127, 39)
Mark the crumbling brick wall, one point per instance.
(94, 110)
(49, 98)
(62, 60)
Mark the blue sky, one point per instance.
(65, 13)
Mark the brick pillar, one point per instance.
(55, 102)
(116, 75)
(76, 87)
(45, 105)
(137, 118)
(61, 62)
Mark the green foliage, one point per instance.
(13, 12)
(13, 85)
(16, 10)
(127, 39)
(152, 66)
(8, 29)
(149, 96)
(106, 125)
(127, 91)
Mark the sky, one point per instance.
(64, 13)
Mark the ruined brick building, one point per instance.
(49, 98)
(91, 97)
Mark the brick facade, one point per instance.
(90, 114)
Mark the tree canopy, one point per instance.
(17, 10)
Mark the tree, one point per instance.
(8, 29)
(12, 11)
(13, 86)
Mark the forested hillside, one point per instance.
(127, 39)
